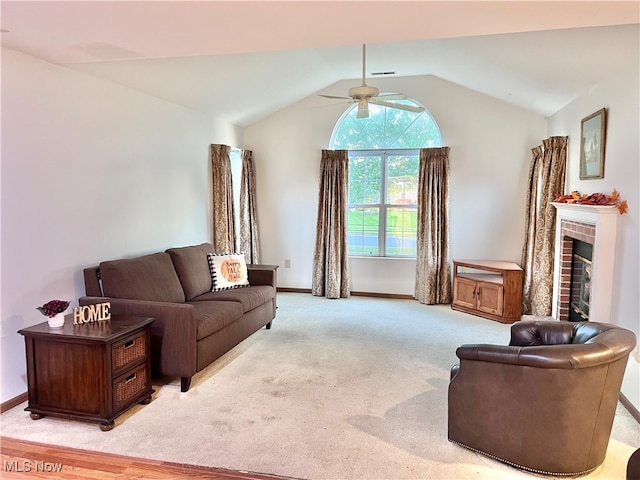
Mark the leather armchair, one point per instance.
(633, 467)
(545, 402)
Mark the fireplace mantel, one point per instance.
(595, 224)
(587, 212)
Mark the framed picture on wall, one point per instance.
(592, 138)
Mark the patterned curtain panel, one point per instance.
(224, 233)
(546, 181)
(330, 261)
(433, 269)
(248, 217)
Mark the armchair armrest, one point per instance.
(173, 333)
(571, 356)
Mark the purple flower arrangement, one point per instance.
(54, 307)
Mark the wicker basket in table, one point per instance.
(128, 386)
(129, 352)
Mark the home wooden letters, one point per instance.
(92, 313)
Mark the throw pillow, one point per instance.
(228, 270)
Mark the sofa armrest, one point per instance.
(263, 274)
(173, 333)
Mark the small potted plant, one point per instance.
(54, 311)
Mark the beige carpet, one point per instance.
(337, 389)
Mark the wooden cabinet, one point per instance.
(92, 372)
(488, 288)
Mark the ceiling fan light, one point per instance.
(363, 109)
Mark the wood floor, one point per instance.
(22, 460)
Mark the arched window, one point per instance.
(384, 160)
(385, 128)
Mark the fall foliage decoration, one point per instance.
(594, 199)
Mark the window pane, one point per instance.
(421, 132)
(401, 231)
(362, 231)
(398, 123)
(402, 179)
(351, 135)
(365, 177)
(374, 125)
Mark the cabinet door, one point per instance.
(464, 292)
(490, 298)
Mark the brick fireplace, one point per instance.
(596, 226)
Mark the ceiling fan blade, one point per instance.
(334, 96)
(399, 106)
(391, 96)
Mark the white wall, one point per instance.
(91, 171)
(619, 94)
(490, 153)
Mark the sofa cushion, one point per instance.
(214, 316)
(192, 267)
(227, 271)
(150, 277)
(249, 297)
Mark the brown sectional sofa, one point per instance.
(193, 326)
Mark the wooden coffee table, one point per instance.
(92, 372)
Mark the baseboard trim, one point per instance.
(293, 290)
(383, 295)
(635, 413)
(9, 404)
(354, 294)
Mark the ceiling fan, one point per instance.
(365, 94)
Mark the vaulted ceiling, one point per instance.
(242, 60)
